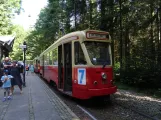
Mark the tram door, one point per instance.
(60, 68)
(67, 67)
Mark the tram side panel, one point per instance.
(47, 73)
(53, 74)
(37, 68)
(80, 83)
(42, 66)
(41, 70)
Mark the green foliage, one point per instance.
(17, 53)
(157, 93)
(7, 10)
(46, 29)
(139, 50)
(143, 74)
(120, 85)
(117, 67)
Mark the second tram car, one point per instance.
(80, 64)
(36, 63)
(28, 63)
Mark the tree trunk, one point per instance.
(120, 6)
(151, 34)
(75, 16)
(90, 14)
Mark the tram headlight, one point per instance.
(104, 76)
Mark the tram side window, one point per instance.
(55, 56)
(45, 60)
(41, 61)
(50, 58)
(38, 62)
(79, 55)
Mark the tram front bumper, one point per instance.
(102, 92)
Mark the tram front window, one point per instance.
(98, 52)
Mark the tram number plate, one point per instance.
(82, 76)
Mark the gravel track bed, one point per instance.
(139, 102)
(120, 108)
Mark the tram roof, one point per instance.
(72, 34)
(78, 33)
(36, 58)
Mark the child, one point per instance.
(6, 80)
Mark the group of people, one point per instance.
(11, 77)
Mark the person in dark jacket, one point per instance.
(1, 72)
(15, 72)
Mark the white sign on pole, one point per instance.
(22, 46)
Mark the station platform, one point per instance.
(37, 102)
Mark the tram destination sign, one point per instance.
(95, 35)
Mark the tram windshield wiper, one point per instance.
(105, 63)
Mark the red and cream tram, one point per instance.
(80, 64)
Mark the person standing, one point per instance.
(6, 80)
(21, 66)
(15, 72)
(32, 68)
(7, 65)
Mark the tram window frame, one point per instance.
(41, 61)
(79, 58)
(48, 55)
